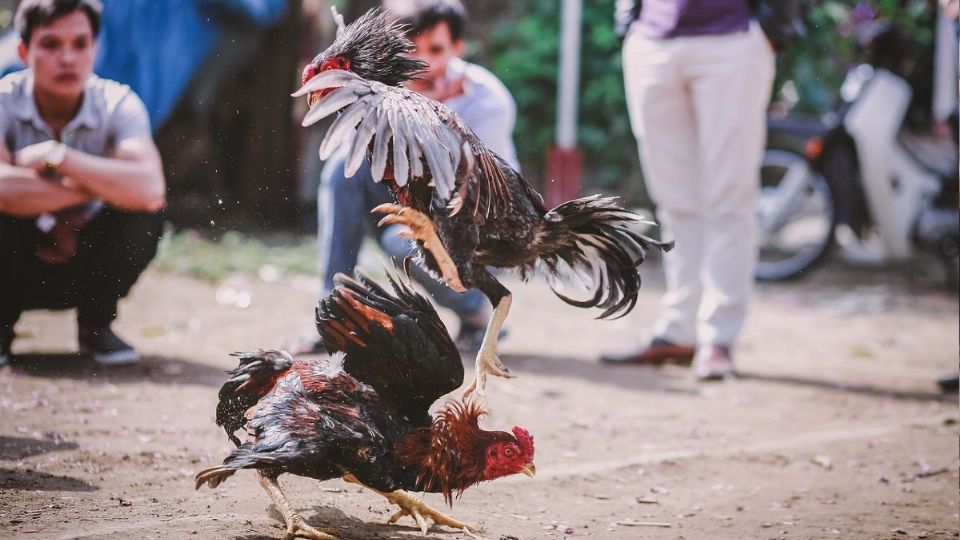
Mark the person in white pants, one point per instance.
(697, 99)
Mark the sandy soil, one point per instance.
(835, 429)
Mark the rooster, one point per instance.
(361, 414)
(465, 207)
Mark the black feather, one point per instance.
(258, 369)
(377, 48)
(412, 362)
(568, 233)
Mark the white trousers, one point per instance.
(698, 109)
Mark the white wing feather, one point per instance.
(374, 115)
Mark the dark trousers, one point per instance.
(113, 249)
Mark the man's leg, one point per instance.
(17, 275)
(113, 250)
(661, 114)
(731, 83)
(343, 217)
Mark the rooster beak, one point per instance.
(529, 469)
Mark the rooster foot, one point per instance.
(421, 228)
(297, 527)
(486, 364)
(420, 512)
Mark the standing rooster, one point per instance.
(466, 208)
(361, 414)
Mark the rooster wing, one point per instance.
(396, 343)
(411, 137)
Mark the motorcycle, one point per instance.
(862, 179)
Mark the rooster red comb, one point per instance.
(525, 441)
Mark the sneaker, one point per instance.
(712, 363)
(6, 343)
(107, 348)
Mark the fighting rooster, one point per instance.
(361, 413)
(466, 208)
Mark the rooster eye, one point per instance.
(508, 452)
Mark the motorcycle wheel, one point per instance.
(795, 214)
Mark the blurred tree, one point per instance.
(810, 74)
(525, 56)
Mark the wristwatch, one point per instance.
(54, 157)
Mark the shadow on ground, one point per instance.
(641, 378)
(351, 527)
(157, 369)
(849, 388)
(677, 380)
(30, 480)
(17, 448)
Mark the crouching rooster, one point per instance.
(361, 414)
(466, 207)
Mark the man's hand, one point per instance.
(35, 156)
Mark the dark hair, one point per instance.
(34, 13)
(429, 13)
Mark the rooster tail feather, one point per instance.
(252, 379)
(246, 456)
(599, 245)
(213, 476)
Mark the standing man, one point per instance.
(81, 181)
(698, 76)
(436, 29)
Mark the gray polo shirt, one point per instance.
(110, 113)
(486, 106)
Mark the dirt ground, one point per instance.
(834, 430)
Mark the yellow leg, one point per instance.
(417, 509)
(422, 229)
(296, 525)
(488, 363)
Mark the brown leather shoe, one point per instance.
(658, 351)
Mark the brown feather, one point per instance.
(367, 313)
(450, 454)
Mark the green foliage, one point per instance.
(526, 55)
(190, 253)
(816, 65)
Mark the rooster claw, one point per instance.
(297, 527)
(421, 228)
(421, 512)
(387, 208)
(486, 364)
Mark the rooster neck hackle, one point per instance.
(449, 454)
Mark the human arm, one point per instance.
(24, 193)
(624, 13)
(130, 179)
